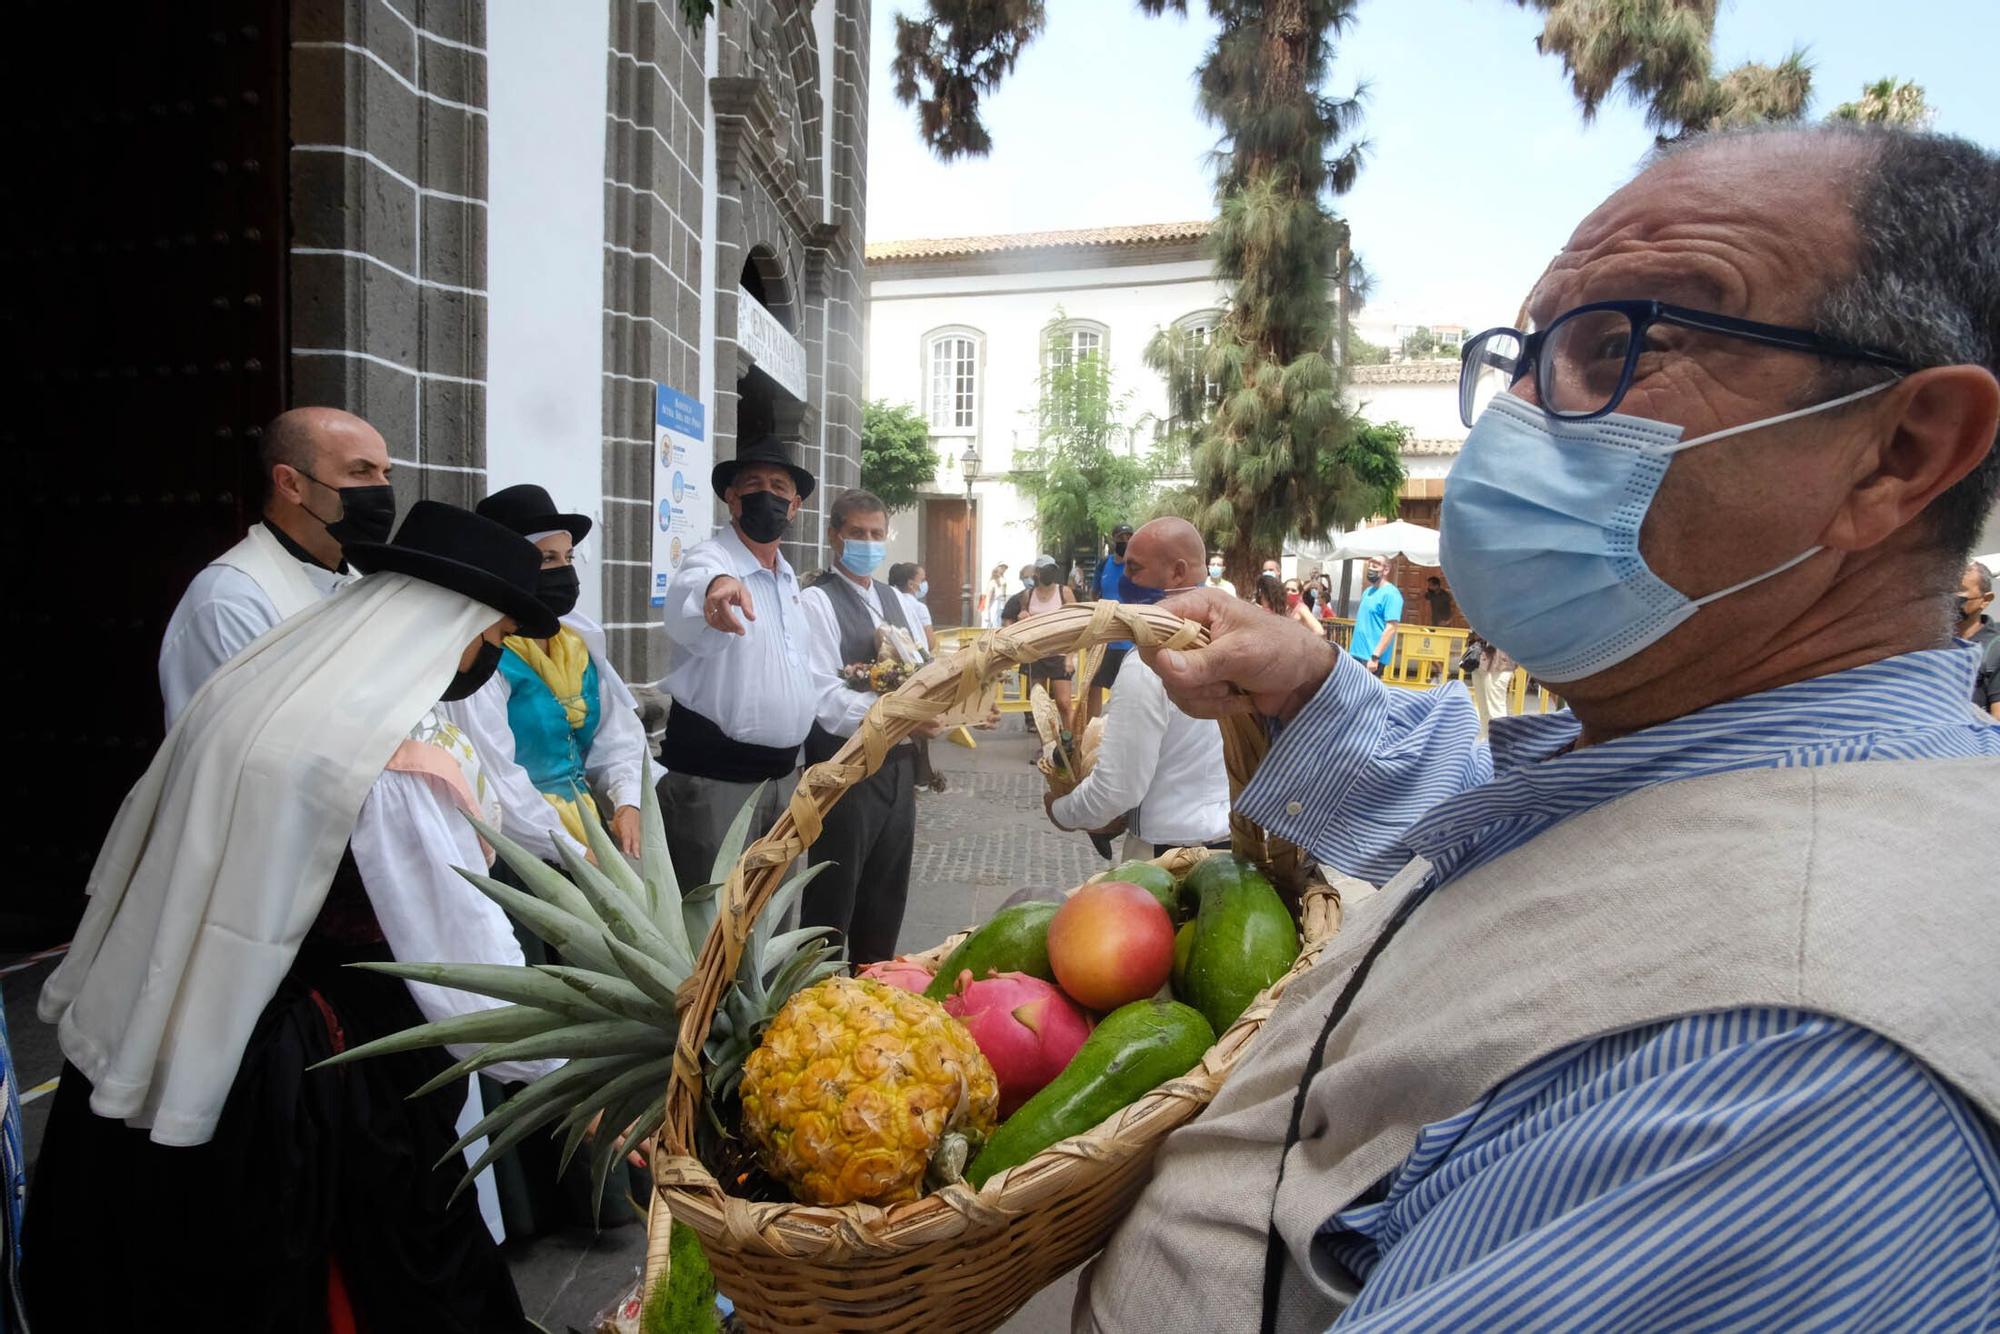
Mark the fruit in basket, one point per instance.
(1111, 944)
(904, 974)
(1155, 879)
(1183, 942)
(855, 1086)
(1015, 940)
(1025, 1027)
(1244, 939)
(627, 941)
(1133, 1050)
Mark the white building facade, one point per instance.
(958, 327)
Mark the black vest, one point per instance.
(857, 640)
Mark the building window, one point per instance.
(1195, 330)
(952, 376)
(1071, 341)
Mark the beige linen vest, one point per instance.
(1852, 890)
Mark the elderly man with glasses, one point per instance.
(1675, 1009)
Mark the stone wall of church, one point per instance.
(388, 250)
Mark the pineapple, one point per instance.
(857, 1085)
(628, 940)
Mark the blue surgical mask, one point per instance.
(1539, 534)
(923, 588)
(861, 557)
(1131, 592)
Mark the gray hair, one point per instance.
(852, 502)
(1927, 284)
(1984, 575)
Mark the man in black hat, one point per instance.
(742, 693)
(326, 476)
(304, 815)
(556, 724)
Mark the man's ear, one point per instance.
(1942, 427)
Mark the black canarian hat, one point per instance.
(528, 510)
(453, 548)
(764, 449)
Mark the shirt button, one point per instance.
(1293, 808)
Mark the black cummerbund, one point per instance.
(695, 745)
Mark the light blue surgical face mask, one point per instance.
(860, 557)
(923, 588)
(1539, 534)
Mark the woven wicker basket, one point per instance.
(955, 1260)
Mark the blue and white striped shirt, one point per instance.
(1744, 1170)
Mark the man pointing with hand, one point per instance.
(742, 695)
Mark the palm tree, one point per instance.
(1888, 102)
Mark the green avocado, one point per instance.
(1154, 880)
(1244, 938)
(1136, 1048)
(1016, 940)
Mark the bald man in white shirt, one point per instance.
(1155, 764)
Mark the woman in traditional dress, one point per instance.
(199, 1170)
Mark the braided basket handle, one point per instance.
(952, 680)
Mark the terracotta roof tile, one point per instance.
(945, 247)
(1407, 372)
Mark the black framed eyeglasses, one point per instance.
(1585, 360)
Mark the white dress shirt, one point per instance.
(840, 708)
(616, 765)
(755, 686)
(1156, 760)
(220, 614)
(407, 841)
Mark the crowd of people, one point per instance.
(1616, 1034)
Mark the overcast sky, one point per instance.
(1480, 162)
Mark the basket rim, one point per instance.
(843, 1233)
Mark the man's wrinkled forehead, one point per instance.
(1757, 227)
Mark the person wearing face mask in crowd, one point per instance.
(1215, 579)
(1049, 594)
(305, 815)
(909, 579)
(556, 719)
(1156, 765)
(1010, 611)
(1297, 607)
(737, 671)
(869, 835)
(326, 479)
(1975, 627)
(1377, 619)
(1109, 573)
(1676, 1006)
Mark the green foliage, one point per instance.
(1419, 344)
(1079, 473)
(953, 55)
(1888, 102)
(1661, 53)
(897, 460)
(685, 1303)
(1361, 352)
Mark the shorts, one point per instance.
(1044, 670)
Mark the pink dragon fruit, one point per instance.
(1026, 1028)
(904, 974)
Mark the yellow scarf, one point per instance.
(561, 669)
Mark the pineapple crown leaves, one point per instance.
(546, 1100)
(607, 1037)
(577, 938)
(505, 1024)
(517, 983)
(623, 916)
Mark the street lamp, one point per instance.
(968, 464)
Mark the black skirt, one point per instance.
(306, 1172)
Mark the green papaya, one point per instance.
(1155, 880)
(1183, 942)
(1134, 1050)
(1244, 939)
(1016, 940)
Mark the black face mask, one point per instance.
(766, 514)
(467, 683)
(1118, 550)
(557, 587)
(367, 514)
